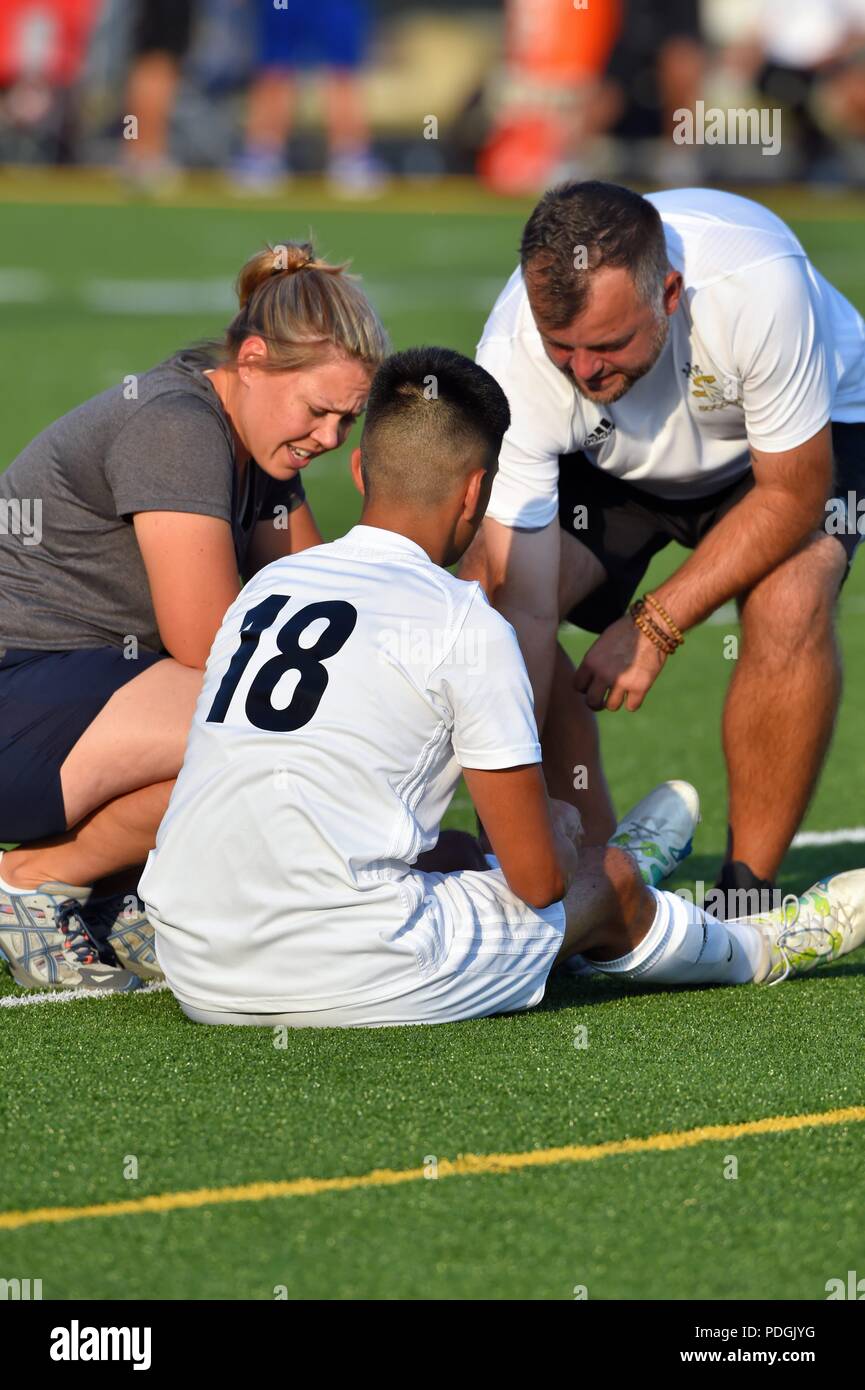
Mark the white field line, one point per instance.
(855, 835)
(158, 296)
(70, 996)
(23, 286)
(401, 294)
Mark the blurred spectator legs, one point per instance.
(657, 68)
(291, 40)
(160, 40)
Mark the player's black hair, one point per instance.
(428, 410)
(576, 228)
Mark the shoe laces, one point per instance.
(78, 941)
(643, 830)
(821, 929)
(640, 827)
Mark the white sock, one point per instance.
(71, 890)
(687, 946)
(7, 887)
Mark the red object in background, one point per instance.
(561, 41)
(520, 152)
(44, 40)
(553, 47)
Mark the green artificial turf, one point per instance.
(88, 1087)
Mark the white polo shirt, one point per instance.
(762, 351)
(345, 690)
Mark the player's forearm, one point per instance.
(757, 535)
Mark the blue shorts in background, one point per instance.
(324, 33)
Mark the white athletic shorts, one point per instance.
(488, 953)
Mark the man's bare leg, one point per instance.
(572, 755)
(781, 705)
(570, 732)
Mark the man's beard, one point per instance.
(621, 381)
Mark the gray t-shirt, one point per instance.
(81, 582)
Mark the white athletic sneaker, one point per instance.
(47, 945)
(659, 833)
(826, 922)
(659, 830)
(121, 926)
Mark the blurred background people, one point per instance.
(809, 60)
(161, 33)
(293, 38)
(657, 68)
(520, 92)
(42, 49)
(557, 99)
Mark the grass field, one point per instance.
(92, 289)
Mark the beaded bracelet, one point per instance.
(660, 639)
(662, 612)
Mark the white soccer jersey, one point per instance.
(762, 351)
(345, 689)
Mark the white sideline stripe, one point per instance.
(158, 296)
(23, 286)
(401, 294)
(69, 996)
(855, 835)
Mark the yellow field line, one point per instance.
(465, 1165)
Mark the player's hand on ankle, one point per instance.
(567, 821)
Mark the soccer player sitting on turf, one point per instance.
(347, 689)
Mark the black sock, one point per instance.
(744, 893)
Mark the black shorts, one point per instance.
(647, 25)
(47, 700)
(162, 26)
(626, 526)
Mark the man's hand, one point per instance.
(622, 661)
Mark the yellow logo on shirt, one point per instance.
(712, 393)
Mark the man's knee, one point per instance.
(794, 605)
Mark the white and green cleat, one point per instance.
(826, 922)
(659, 830)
